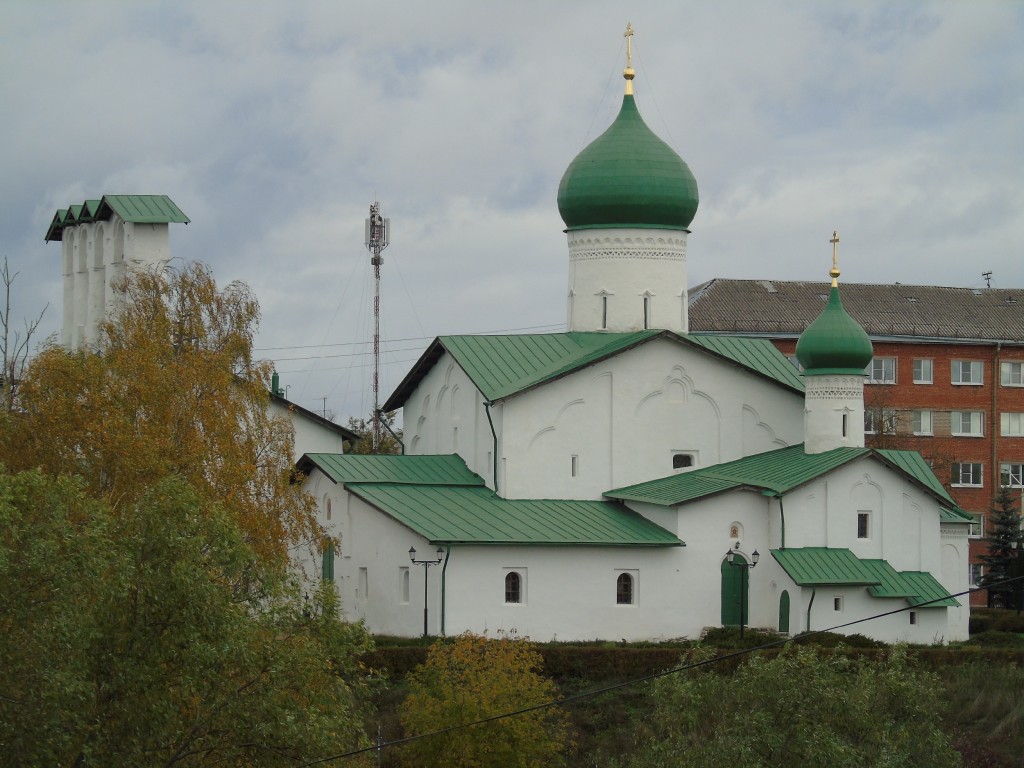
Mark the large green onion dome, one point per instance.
(834, 343)
(628, 177)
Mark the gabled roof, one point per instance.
(477, 515)
(823, 566)
(316, 418)
(441, 500)
(139, 209)
(502, 366)
(774, 472)
(785, 308)
(398, 470)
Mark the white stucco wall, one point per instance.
(625, 417)
(310, 436)
(95, 256)
(612, 272)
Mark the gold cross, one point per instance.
(628, 73)
(834, 272)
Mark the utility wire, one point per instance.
(409, 338)
(647, 678)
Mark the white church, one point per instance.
(625, 479)
(629, 480)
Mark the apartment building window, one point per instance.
(921, 422)
(1011, 424)
(1011, 374)
(977, 527)
(882, 370)
(967, 474)
(880, 421)
(967, 372)
(923, 371)
(1011, 475)
(977, 571)
(966, 423)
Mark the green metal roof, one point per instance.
(776, 471)
(139, 209)
(834, 343)
(916, 586)
(817, 566)
(773, 472)
(955, 515)
(400, 470)
(761, 357)
(501, 366)
(822, 566)
(628, 177)
(477, 515)
(914, 465)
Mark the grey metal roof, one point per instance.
(786, 308)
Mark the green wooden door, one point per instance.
(784, 612)
(734, 591)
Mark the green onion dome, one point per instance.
(834, 343)
(627, 177)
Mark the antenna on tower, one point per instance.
(378, 235)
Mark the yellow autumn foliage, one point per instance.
(171, 387)
(470, 678)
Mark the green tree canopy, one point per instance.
(804, 707)
(473, 677)
(140, 639)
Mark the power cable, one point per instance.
(648, 678)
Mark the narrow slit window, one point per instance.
(604, 312)
(647, 312)
(574, 465)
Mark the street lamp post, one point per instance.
(426, 572)
(731, 558)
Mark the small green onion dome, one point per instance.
(627, 177)
(834, 343)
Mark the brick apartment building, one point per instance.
(947, 378)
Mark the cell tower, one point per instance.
(378, 231)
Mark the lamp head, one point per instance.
(412, 553)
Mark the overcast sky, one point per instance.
(274, 125)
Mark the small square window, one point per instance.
(913, 617)
(837, 604)
(923, 371)
(967, 372)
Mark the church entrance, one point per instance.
(734, 591)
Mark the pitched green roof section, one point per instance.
(818, 566)
(399, 470)
(476, 515)
(822, 566)
(913, 464)
(774, 471)
(504, 365)
(955, 515)
(759, 355)
(138, 209)
(918, 587)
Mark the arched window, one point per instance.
(681, 460)
(624, 589)
(513, 587)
